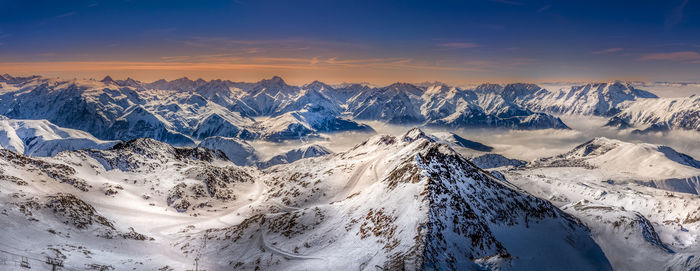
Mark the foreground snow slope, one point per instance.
(391, 202)
(115, 208)
(621, 191)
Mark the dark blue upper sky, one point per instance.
(383, 41)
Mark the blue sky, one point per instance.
(376, 41)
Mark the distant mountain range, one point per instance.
(183, 111)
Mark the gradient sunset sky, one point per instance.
(353, 41)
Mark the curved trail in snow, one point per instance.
(342, 194)
(352, 182)
(265, 245)
(162, 230)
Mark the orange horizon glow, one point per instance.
(295, 71)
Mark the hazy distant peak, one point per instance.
(107, 80)
(488, 88)
(317, 86)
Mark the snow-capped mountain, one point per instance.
(398, 103)
(484, 107)
(266, 96)
(627, 106)
(649, 164)
(663, 114)
(600, 99)
(392, 202)
(42, 138)
(308, 151)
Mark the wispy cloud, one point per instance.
(509, 2)
(687, 56)
(675, 16)
(607, 51)
(268, 47)
(458, 45)
(67, 14)
(93, 5)
(544, 8)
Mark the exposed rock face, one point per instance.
(492, 160)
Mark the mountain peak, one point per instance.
(318, 86)
(108, 79)
(437, 88)
(415, 134)
(128, 82)
(275, 81)
(489, 88)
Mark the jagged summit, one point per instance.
(601, 99)
(273, 81)
(154, 149)
(415, 134)
(318, 86)
(107, 80)
(406, 88)
(488, 88)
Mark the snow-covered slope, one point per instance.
(42, 138)
(638, 227)
(626, 193)
(627, 234)
(391, 202)
(114, 209)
